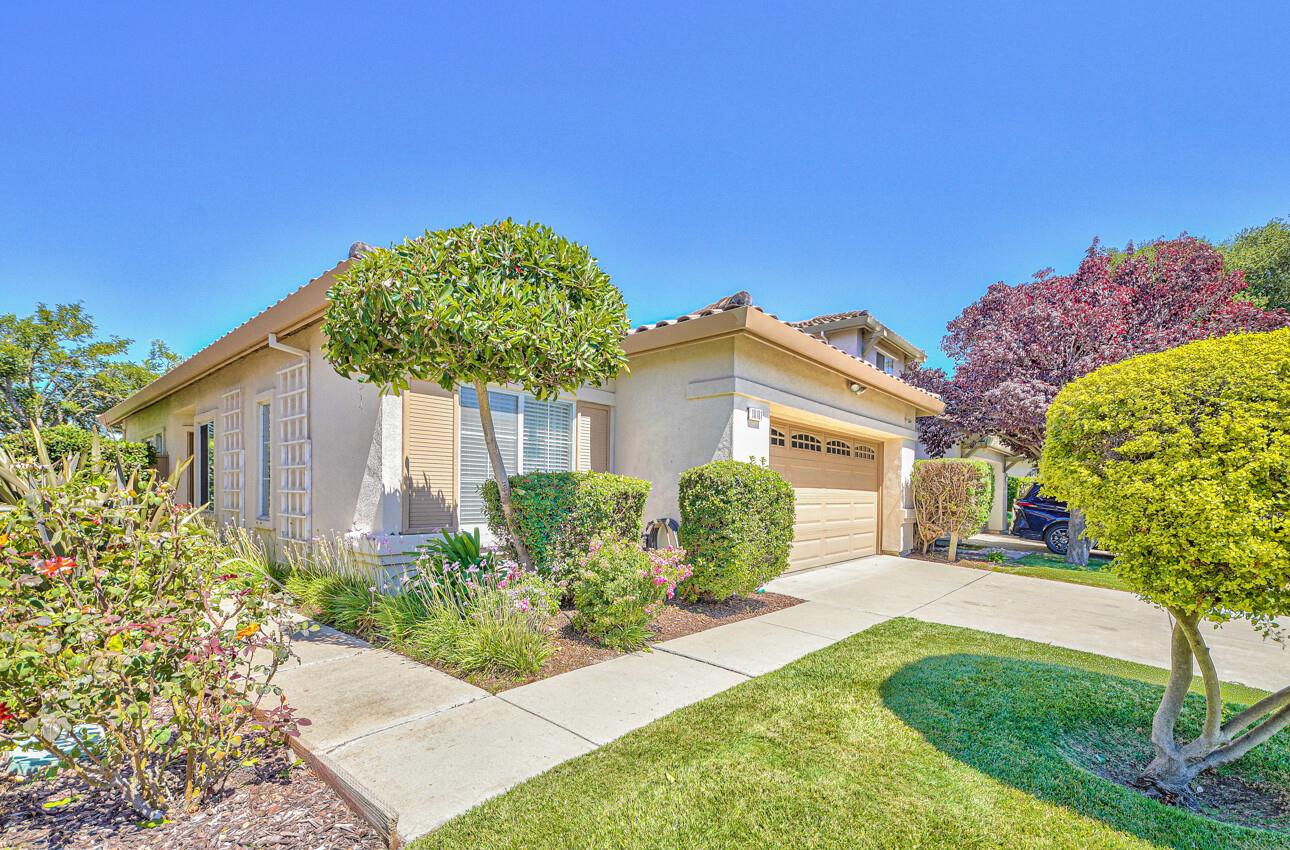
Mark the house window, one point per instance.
(548, 435)
(205, 465)
(776, 437)
(885, 362)
(532, 436)
(157, 442)
(837, 447)
(805, 442)
(264, 418)
(865, 453)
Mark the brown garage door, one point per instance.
(837, 483)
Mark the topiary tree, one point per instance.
(502, 303)
(952, 497)
(1181, 462)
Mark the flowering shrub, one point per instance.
(618, 587)
(120, 609)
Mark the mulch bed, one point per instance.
(279, 804)
(677, 619)
(1224, 796)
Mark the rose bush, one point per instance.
(120, 609)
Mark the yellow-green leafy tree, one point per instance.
(1181, 462)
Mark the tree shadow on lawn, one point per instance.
(1062, 735)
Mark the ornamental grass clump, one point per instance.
(1181, 463)
(119, 609)
(494, 622)
(618, 588)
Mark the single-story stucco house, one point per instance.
(282, 443)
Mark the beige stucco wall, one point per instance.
(659, 432)
(689, 405)
(355, 434)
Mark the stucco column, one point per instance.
(749, 437)
(897, 496)
(379, 509)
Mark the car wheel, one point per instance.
(1057, 538)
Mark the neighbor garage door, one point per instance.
(837, 485)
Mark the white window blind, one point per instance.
(475, 467)
(548, 436)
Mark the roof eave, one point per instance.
(801, 342)
(302, 307)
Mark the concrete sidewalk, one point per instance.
(430, 746)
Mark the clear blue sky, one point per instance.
(178, 170)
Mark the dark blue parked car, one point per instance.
(1037, 517)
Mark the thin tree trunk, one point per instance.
(1211, 736)
(501, 477)
(953, 553)
(1175, 765)
(1167, 776)
(1079, 546)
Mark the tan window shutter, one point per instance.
(593, 437)
(429, 461)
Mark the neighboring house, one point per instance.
(282, 443)
(859, 333)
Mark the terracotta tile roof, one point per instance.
(743, 299)
(829, 318)
(730, 302)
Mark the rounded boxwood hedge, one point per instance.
(560, 513)
(736, 526)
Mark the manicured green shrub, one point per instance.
(121, 609)
(737, 526)
(65, 440)
(952, 497)
(560, 513)
(617, 588)
(1181, 463)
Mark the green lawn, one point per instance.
(1054, 567)
(907, 735)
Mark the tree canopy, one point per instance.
(500, 303)
(55, 369)
(1018, 345)
(1263, 254)
(1180, 461)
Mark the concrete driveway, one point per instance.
(1093, 619)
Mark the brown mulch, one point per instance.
(677, 619)
(1223, 795)
(279, 804)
